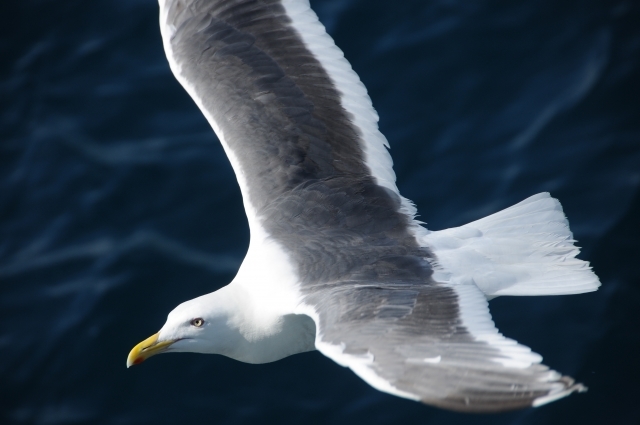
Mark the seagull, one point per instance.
(337, 261)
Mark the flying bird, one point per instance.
(337, 261)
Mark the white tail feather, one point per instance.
(526, 249)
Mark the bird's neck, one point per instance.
(263, 302)
(258, 333)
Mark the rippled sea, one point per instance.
(117, 202)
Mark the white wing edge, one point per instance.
(354, 96)
(167, 32)
(358, 364)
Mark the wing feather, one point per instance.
(433, 343)
(280, 95)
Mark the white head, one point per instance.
(232, 322)
(207, 324)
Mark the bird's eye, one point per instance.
(197, 322)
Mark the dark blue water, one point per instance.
(117, 202)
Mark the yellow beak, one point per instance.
(147, 348)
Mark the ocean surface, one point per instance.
(117, 202)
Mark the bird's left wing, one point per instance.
(431, 342)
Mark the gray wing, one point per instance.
(300, 132)
(288, 110)
(415, 341)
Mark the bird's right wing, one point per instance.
(284, 102)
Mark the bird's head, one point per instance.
(200, 325)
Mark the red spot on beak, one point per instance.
(138, 360)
